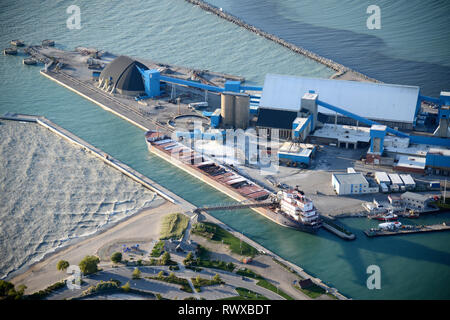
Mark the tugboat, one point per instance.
(297, 207)
(390, 225)
(390, 216)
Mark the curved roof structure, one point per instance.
(124, 75)
(375, 101)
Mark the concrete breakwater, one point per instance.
(339, 68)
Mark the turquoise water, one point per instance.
(412, 267)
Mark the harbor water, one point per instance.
(412, 267)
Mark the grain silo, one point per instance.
(227, 108)
(241, 110)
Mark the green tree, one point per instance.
(165, 259)
(172, 276)
(89, 264)
(62, 265)
(217, 278)
(189, 259)
(116, 257)
(161, 274)
(126, 287)
(136, 273)
(7, 290)
(198, 279)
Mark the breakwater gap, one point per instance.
(340, 69)
(189, 209)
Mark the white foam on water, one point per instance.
(52, 193)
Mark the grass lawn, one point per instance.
(222, 265)
(173, 226)
(201, 282)
(157, 249)
(174, 279)
(245, 294)
(266, 284)
(313, 291)
(215, 233)
(249, 273)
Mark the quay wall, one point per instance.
(71, 88)
(339, 68)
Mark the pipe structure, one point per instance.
(250, 88)
(359, 118)
(430, 99)
(191, 84)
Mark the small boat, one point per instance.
(29, 61)
(386, 217)
(11, 51)
(17, 43)
(390, 225)
(48, 43)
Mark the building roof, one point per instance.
(417, 196)
(350, 178)
(382, 177)
(270, 118)
(395, 178)
(375, 101)
(411, 162)
(343, 133)
(125, 75)
(407, 179)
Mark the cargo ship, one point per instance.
(288, 208)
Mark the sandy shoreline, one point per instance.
(145, 224)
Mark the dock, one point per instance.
(104, 100)
(409, 230)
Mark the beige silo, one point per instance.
(241, 110)
(227, 108)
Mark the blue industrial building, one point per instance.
(438, 160)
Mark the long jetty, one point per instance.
(190, 209)
(339, 68)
